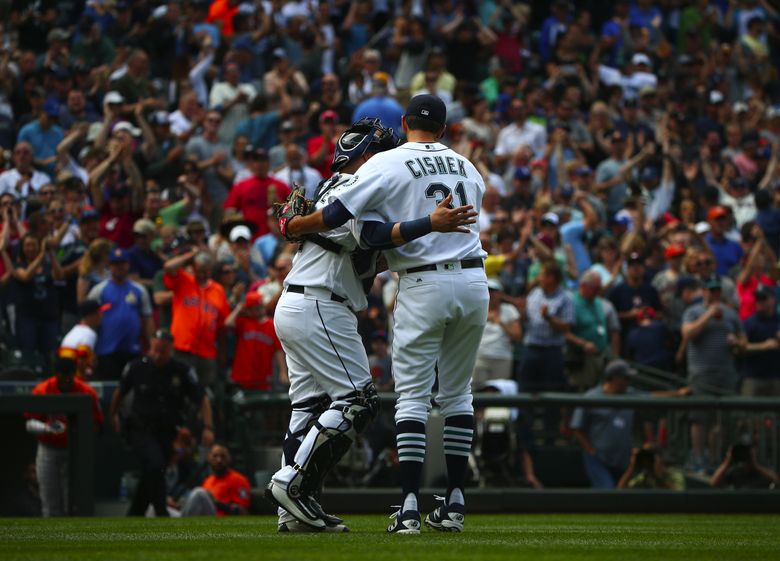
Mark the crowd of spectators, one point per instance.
(630, 149)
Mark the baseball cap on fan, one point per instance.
(429, 107)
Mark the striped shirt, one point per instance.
(709, 354)
(538, 331)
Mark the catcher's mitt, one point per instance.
(296, 205)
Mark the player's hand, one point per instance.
(446, 219)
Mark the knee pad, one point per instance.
(362, 408)
(304, 415)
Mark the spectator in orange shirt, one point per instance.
(199, 310)
(257, 346)
(51, 462)
(224, 492)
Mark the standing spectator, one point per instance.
(727, 252)
(633, 294)
(712, 333)
(79, 342)
(164, 389)
(322, 148)
(127, 325)
(51, 462)
(256, 194)
(752, 272)
(22, 180)
(762, 347)
(257, 346)
(495, 356)
(44, 134)
(93, 268)
(232, 99)
(37, 297)
(380, 363)
(549, 316)
(521, 132)
(199, 308)
(296, 172)
(594, 335)
(212, 157)
(224, 492)
(650, 342)
(380, 105)
(144, 261)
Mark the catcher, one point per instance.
(332, 395)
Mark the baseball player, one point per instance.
(442, 301)
(317, 327)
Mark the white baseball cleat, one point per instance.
(298, 507)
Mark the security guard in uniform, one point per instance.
(163, 389)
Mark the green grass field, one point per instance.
(521, 537)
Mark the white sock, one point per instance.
(410, 503)
(456, 497)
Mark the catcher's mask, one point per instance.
(365, 135)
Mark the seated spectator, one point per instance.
(79, 342)
(127, 325)
(257, 346)
(740, 469)
(647, 470)
(51, 463)
(495, 357)
(224, 492)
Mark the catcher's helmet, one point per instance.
(365, 135)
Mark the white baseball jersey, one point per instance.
(315, 266)
(407, 183)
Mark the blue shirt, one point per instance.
(120, 329)
(572, 233)
(260, 129)
(769, 220)
(764, 364)
(386, 108)
(538, 331)
(145, 263)
(44, 142)
(728, 253)
(612, 29)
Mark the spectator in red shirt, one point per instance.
(257, 346)
(224, 492)
(51, 462)
(322, 148)
(254, 195)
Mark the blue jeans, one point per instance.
(600, 474)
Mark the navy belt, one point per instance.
(302, 290)
(475, 263)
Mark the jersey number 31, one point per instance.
(439, 191)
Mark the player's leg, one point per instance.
(419, 321)
(326, 345)
(456, 363)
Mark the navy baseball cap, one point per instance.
(429, 107)
(117, 255)
(89, 213)
(650, 173)
(619, 368)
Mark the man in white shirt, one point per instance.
(520, 132)
(22, 180)
(79, 342)
(232, 99)
(297, 172)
